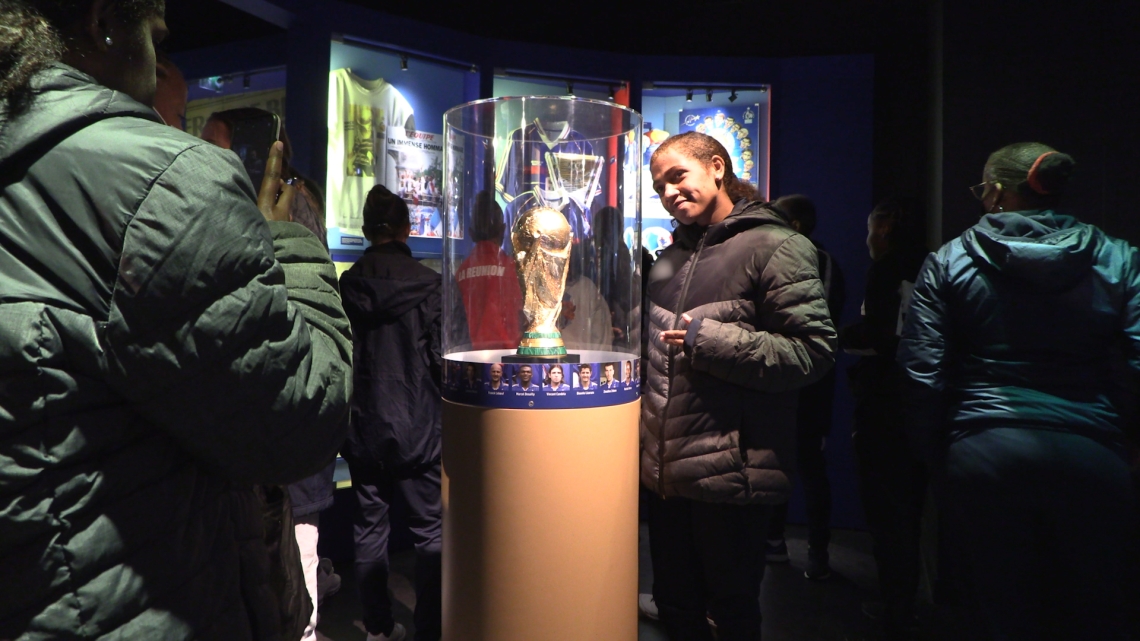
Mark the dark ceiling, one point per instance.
(204, 23)
(678, 27)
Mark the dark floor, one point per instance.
(794, 608)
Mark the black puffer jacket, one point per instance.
(393, 303)
(162, 349)
(718, 418)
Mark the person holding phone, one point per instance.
(250, 128)
(169, 340)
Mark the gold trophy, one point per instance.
(541, 239)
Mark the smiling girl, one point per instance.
(738, 322)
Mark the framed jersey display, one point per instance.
(362, 115)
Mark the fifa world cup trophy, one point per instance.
(541, 240)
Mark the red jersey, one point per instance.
(491, 296)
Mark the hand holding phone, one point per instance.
(251, 139)
(275, 197)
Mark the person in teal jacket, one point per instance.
(1020, 345)
(164, 346)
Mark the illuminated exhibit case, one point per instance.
(541, 287)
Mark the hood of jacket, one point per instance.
(383, 291)
(67, 100)
(745, 215)
(1049, 252)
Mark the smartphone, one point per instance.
(251, 140)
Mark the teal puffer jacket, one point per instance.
(1028, 320)
(162, 349)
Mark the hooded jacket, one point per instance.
(393, 302)
(719, 416)
(162, 349)
(1028, 319)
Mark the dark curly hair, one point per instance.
(30, 39)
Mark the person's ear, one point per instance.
(717, 167)
(97, 25)
(796, 225)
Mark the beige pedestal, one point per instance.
(540, 524)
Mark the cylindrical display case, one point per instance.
(541, 341)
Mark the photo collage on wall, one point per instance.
(736, 127)
(542, 385)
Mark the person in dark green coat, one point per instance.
(164, 346)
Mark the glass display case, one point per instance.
(541, 273)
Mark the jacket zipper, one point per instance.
(672, 364)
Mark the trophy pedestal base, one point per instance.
(540, 523)
(564, 358)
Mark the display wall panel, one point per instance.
(370, 90)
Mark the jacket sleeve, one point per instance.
(922, 354)
(231, 341)
(790, 341)
(1131, 325)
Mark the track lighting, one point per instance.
(732, 96)
(403, 62)
(708, 95)
(689, 95)
(612, 92)
(569, 89)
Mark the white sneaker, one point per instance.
(398, 634)
(647, 606)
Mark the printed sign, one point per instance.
(542, 385)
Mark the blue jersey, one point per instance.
(550, 161)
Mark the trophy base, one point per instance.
(542, 346)
(560, 358)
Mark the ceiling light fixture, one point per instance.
(689, 95)
(569, 89)
(403, 62)
(708, 95)
(732, 96)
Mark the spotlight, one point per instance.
(764, 89)
(403, 62)
(732, 96)
(245, 81)
(569, 89)
(708, 95)
(689, 96)
(474, 69)
(611, 95)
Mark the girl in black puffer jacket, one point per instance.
(737, 323)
